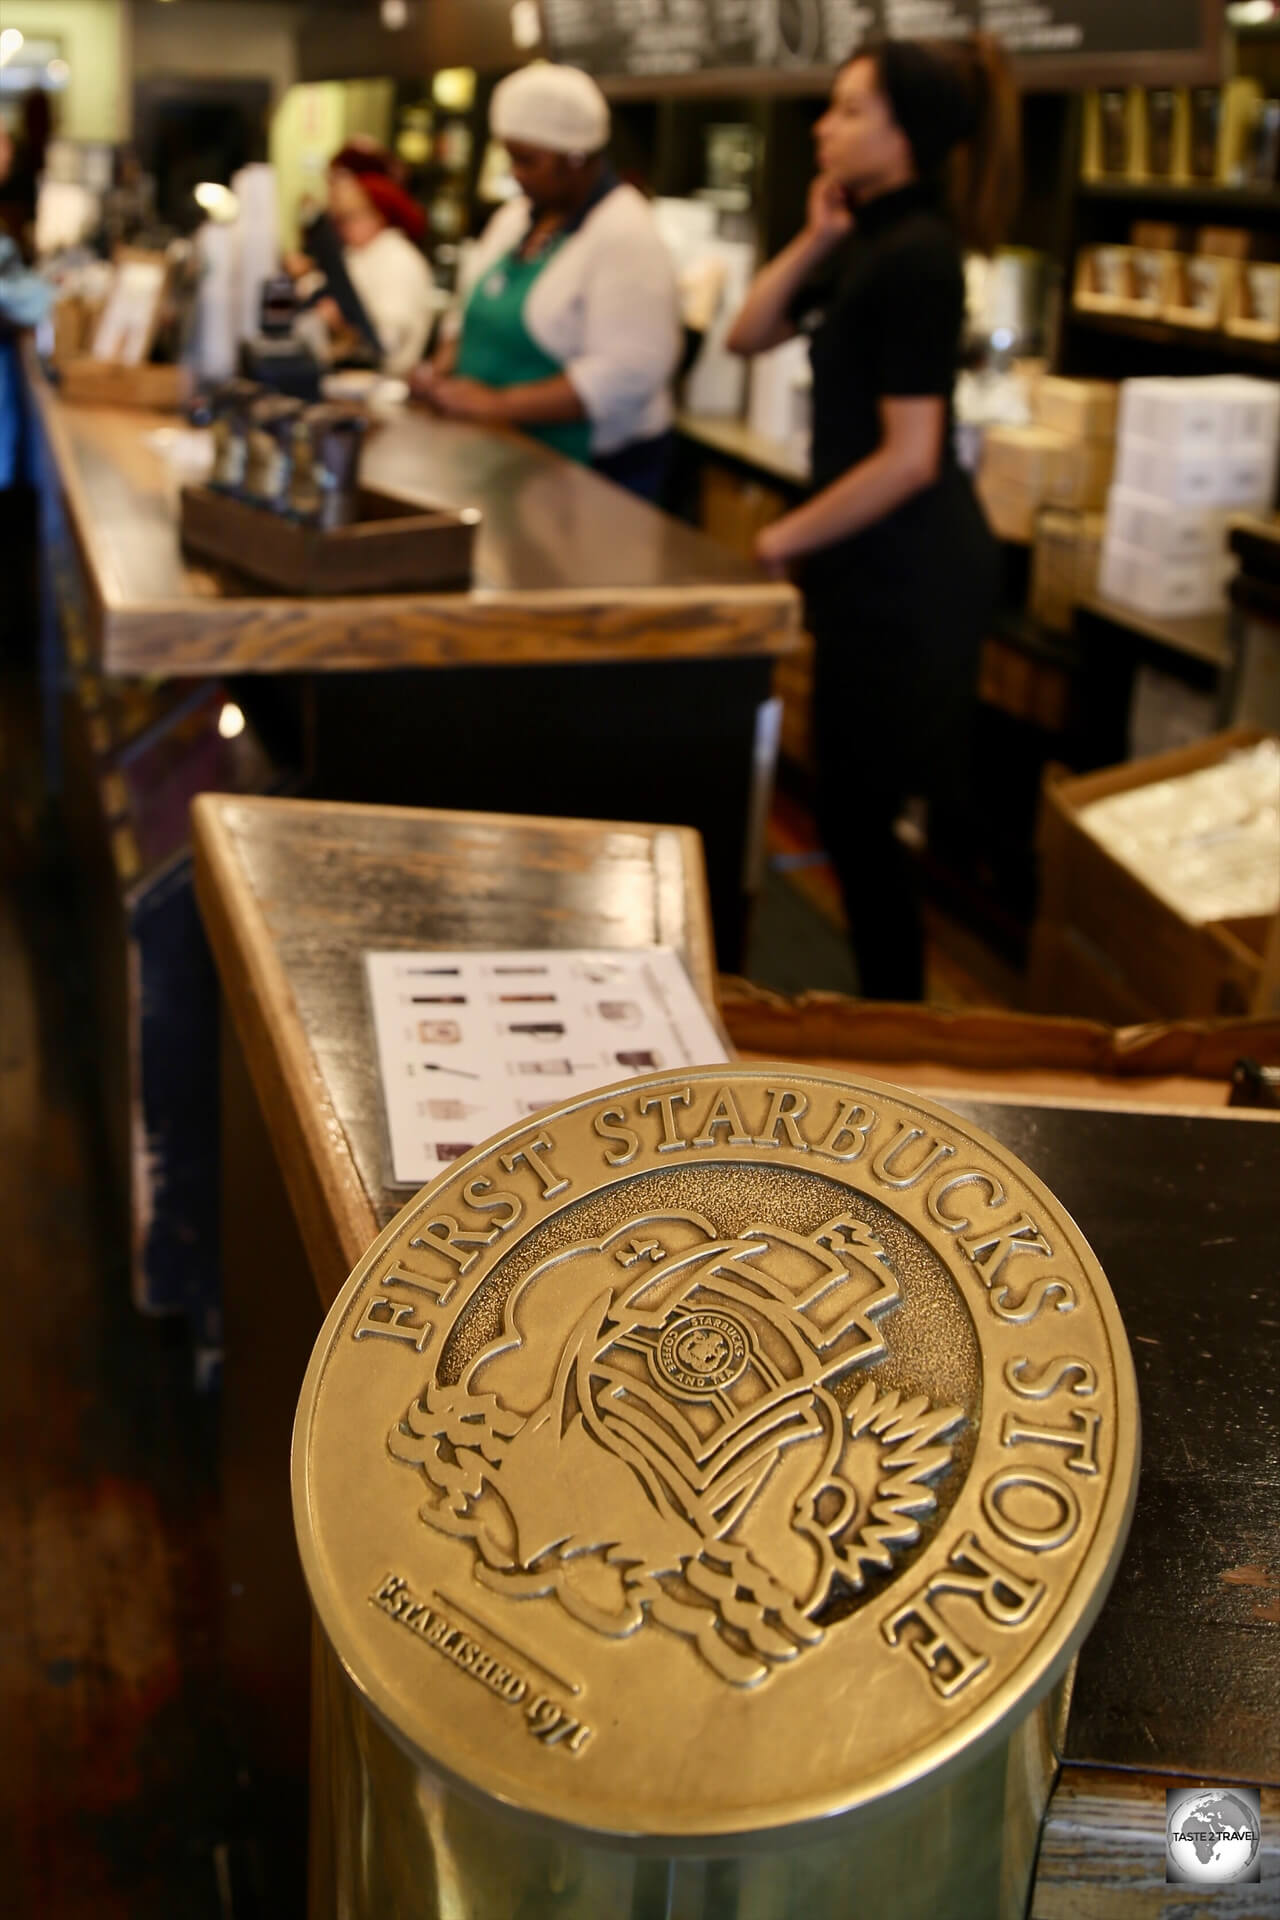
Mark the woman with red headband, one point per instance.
(917, 157)
(379, 227)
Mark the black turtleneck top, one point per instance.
(885, 318)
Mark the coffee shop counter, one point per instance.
(606, 658)
(1180, 1676)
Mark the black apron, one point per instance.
(899, 611)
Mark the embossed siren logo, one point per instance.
(655, 1436)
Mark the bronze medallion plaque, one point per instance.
(717, 1453)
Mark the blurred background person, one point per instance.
(918, 162)
(569, 321)
(370, 237)
(129, 204)
(11, 208)
(22, 159)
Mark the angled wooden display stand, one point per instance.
(294, 892)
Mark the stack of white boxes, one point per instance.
(1191, 455)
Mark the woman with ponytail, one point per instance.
(917, 159)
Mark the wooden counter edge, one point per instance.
(334, 1216)
(1102, 1852)
(697, 944)
(1170, 1096)
(101, 583)
(334, 1213)
(489, 627)
(195, 637)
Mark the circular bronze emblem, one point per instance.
(757, 1401)
(702, 1353)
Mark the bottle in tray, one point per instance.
(330, 440)
(269, 469)
(230, 406)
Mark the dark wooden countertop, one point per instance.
(1181, 1674)
(568, 566)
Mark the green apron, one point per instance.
(498, 349)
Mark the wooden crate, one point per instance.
(395, 546)
(1067, 974)
(1082, 409)
(1155, 963)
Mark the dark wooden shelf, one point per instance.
(1198, 193)
(1198, 636)
(1160, 333)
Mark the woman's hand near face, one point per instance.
(772, 549)
(765, 318)
(829, 216)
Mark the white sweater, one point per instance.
(397, 292)
(605, 307)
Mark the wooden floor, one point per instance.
(800, 939)
(117, 1796)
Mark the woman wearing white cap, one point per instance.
(570, 326)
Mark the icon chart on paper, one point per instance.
(569, 1039)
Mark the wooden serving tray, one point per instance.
(394, 547)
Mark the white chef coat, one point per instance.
(605, 307)
(398, 294)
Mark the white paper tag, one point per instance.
(470, 1043)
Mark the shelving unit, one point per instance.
(1200, 194)
(1214, 345)
(432, 180)
(661, 140)
(1114, 346)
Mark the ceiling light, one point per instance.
(217, 201)
(10, 43)
(395, 14)
(526, 24)
(58, 73)
(230, 721)
(454, 88)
